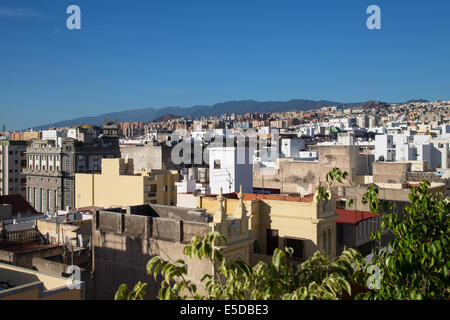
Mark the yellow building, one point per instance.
(117, 186)
(24, 284)
(283, 221)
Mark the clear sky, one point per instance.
(136, 54)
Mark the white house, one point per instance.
(230, 167)
(384, 147)
(290, 148)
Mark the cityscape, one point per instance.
(239, 200)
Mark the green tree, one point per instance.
(318, 278)
(416, 263)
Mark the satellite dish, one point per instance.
(197, 192)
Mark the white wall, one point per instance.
(384, 147)
(231, 173)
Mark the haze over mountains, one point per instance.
(238, 107)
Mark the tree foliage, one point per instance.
(317, 278)
(416, 263)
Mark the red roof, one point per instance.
(353, 216)
(19, 204)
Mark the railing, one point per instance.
(22, 236)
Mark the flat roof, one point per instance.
(353, 216)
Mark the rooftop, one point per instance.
(31, 246)
(258, 196)
(353, 216)
(19, 204)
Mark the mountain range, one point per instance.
(238, 107)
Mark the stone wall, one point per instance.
(124, 243)
(429, 176)
(25, 259)
(391, 172)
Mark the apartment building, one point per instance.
(278, 221)
(230, 167)
(12, 160)
(118, 186)
(50, 171)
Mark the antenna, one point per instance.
(229, 180)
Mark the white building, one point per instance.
(290, 148)
(346, 138)
(384, 147)
(230, 167)
(308, 155)
(12, 158)
(55, 135)
(445, 130)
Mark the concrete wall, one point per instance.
(33, 285)
(148, 157)
(391, 172)
(303, 176)
(235, 170)
(124, 243)
(25, 260)
(186, 200)
(116, 187)
(57, 232)
(57, 269)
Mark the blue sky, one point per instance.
(136, 54)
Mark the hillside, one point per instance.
(238, 107)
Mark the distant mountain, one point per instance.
(166, 117)
(238, 107)
(374, 104)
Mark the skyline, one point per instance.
(140, 55)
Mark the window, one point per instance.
(297, 245)
(272, 241)
(165, 188)
(68, 167)
(217, 164)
